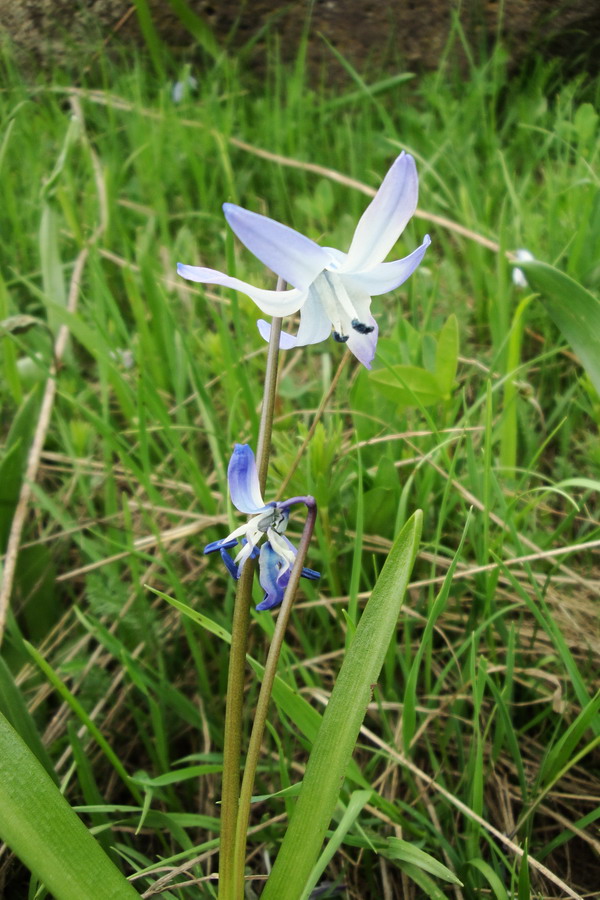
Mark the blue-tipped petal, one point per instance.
(233, 570)
(218, 545)
(242, 476)
(272, 580)
(311, 574)
(290, 254)
(364, 345)
(272, 303)
(387, 276)
(385, 217)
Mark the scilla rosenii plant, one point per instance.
(331, 290)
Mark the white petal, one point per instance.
(364, 345)
(314, 325)
(253, 536)
(385, 218)
(272, 303)
(286, 341)
(237, 533)
(387, 276)
(281, 547)
(290, 254)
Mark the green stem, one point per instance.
(232, 747)
(262, 705)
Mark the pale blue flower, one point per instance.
(277, 554)
(329, 288)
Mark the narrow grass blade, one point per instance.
(80, 712)
(524, 889)
(491, 877)
(355, 806)
(575, 311)
(39, 825)
(341, 722)
(408, 853)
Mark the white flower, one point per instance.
(330, 288)
(518, 275)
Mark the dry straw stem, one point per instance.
(39, 438)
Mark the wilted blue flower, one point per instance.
(277, 554)
(330, 288)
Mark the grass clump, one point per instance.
(481, 739)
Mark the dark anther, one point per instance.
(361, 327)
(340, 338)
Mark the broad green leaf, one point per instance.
(343, 716)
(15, 709)
(407, 385)
(402, 850)
(306, 718)
(446, 355)
(38, 824)
(575, 311)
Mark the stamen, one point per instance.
(267, 521)
(340, 338)
(361, 327)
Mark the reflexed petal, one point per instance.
(270, 577)
(272, 303)
(314, 325)
(242, 476)
(385, 217)
(228, 541)
(286, 341)
(387, 276)
(218, 545)
(306, 573)
(233, 570)
(290, 254)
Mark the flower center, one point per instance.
(338, 306)
(276, 519)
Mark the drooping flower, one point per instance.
(330, 288)
(277, 554)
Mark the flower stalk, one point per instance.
(264, 697)
(232, 747)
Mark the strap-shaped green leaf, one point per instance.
(46, 834)
(338, 732)
(575, 311)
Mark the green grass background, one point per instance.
(489, 686)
